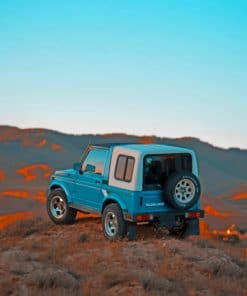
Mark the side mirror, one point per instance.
(77, 166)
(90, 168)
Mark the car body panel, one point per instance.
(86, 189)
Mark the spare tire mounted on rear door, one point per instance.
(182, 190)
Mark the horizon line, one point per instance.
(123, 134)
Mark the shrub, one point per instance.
(116, 277)
(23, 228)
(83, 237)
(53, 277)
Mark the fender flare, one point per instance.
(55, 185)
(112, 198)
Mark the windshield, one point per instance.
(157, 168)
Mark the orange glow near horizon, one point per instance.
(38, 143)
(40, 196)
(211, 211)
(6, 220)
(205, 229)
(15, 193)
(56, 147)
(239, 196)
(2, 175)
(146, 140)
(27, 138)
(30, 172)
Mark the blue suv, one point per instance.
(127, 184)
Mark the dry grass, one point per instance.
(40, 258)
(156, 284)
(26, 227)
(115, 277)
(54, 277)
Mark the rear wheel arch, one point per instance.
(112, 200)
(108, 202)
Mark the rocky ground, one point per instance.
(40, 258)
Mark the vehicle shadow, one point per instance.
(145, 231)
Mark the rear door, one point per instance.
(87, 186)
(157, 170)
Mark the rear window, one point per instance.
(157, 168)
(124, 168)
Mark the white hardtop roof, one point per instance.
(153, 148)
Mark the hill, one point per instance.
(28, 156)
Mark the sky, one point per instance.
(168, 68)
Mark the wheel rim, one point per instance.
(57, 207)
(111, 224)
(184, 191)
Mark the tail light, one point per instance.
(192, 215)
(146, 217)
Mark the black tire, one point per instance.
(113, 213)
(187, 228)
(131, 231)
(67, 216)
(178, 232)
(180, 201)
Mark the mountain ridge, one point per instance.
(27, 156)
(119, 134)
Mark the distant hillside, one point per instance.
(36, 152)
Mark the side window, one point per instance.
(124, 168)
(95, 161)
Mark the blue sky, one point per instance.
(168, 68)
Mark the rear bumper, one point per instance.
(165, 218)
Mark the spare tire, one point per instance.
(182, 190)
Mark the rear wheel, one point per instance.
(58, 209)
(114, 225)
(178, 232)
(187, 228)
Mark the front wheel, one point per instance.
(114, 225)
(58, 208)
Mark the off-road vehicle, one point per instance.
(127, 184)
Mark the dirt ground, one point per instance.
(40, 258)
